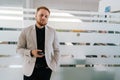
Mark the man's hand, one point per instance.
(35, 53)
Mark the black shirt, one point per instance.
(40, 34)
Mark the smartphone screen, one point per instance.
(41, 53)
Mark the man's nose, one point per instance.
(43, 17)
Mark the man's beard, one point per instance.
(41, 24)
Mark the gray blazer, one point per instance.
(27, 42)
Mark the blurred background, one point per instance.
(88, 32)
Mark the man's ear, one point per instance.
(35, 15)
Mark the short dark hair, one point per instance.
(43, 7)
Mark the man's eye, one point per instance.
(42, 15)
(46, 16)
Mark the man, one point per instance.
(38, 44)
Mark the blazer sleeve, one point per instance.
(22, 45)
(56, 48)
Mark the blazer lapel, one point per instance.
(46, 36)
(34, 36)
(47, 52)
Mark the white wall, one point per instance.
(115, 5)
(96, 30)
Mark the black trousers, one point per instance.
(41, 73)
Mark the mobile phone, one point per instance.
(41, 53)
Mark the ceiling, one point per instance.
(79, 5)
(11, 3)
